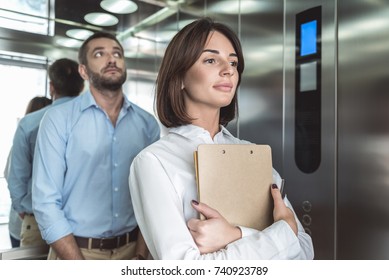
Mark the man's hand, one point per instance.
(67, 248)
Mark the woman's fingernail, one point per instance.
(274, 186)
(195, 202)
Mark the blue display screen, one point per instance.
(308, 38)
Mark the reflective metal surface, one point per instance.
(261, 92)
(363, 130)
(344, 203)
(313, 195)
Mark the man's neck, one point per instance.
(110, 101)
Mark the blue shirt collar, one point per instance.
(62, 100)
(87, 100)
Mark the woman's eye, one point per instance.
(234, 63)
(210, 60)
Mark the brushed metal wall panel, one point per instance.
(261, 94)
(363, 130)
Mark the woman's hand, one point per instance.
(281, 212)
(214, 233)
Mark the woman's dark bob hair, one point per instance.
(182, 52)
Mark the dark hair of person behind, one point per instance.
(65, 78)
(182, 52)
(37, 103)
(82, 53)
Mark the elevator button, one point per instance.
(308, 231)
(307, 220)
(307, 206)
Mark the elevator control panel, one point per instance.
(308, 90)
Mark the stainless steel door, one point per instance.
(363, 130)
(344, 203)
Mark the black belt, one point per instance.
(107, 243)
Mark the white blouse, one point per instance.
(162, 185)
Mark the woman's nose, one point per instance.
(227, 69)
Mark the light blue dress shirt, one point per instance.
(81, 168)
(21, 158)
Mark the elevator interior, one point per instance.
(340, 187)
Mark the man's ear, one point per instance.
(52, 90)
(83, 72)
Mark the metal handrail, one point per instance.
(26, 253)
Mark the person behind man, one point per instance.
(15, 221)
(38, 102)
(84, 151)
(65, 84)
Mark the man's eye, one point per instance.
(118, 55)
(98, 54)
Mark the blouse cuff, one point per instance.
(247, 231)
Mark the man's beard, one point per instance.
(102, 83)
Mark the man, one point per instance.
(84, 151)
(65, 83)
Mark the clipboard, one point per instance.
(235, 180)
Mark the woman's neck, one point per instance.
(204, 116)
(210, 124)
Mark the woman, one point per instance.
(196, 98)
